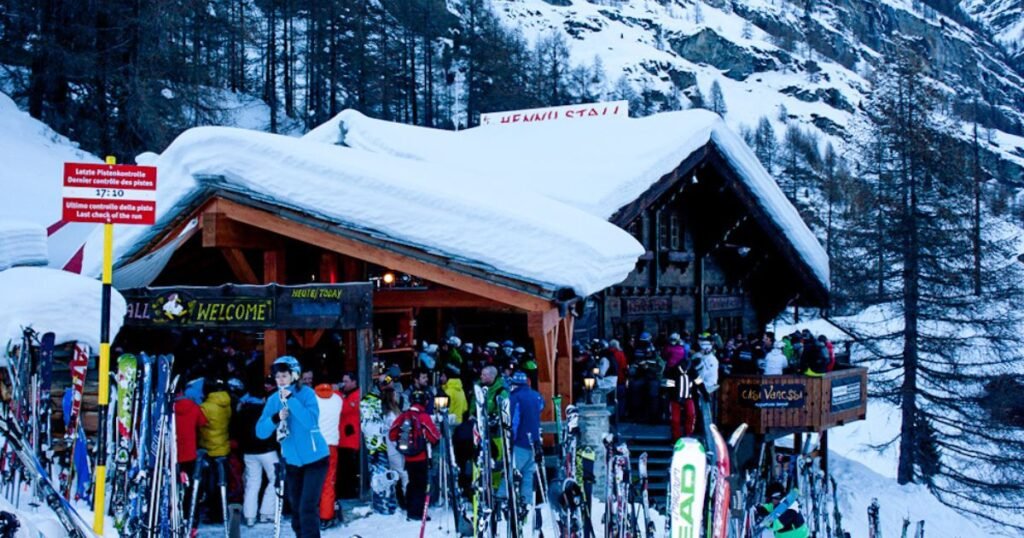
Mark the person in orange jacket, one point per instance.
(349, 438)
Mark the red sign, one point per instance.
(557, 113)
(118, 194)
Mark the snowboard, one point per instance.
(382, 478)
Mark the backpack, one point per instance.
(411, 441)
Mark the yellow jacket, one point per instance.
(214, 435)
(457, 404)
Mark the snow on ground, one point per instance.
(53, 300)
(363, 523)
(859, 484)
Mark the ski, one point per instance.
(126, 379)
(45, 404)
(645, 496)
(66, 514)
(511, 484)
(687, 487)
(74, 435)
(483, 499)
(718, 525)
(279, 491)
(837, 514)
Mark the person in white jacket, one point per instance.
(329, 403)
(775, 362)
(708, 366)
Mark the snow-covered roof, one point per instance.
(505, 230)
(51, 300)
(22, 243)
(597, 165)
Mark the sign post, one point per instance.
(108, 194)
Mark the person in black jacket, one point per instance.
(260, 455)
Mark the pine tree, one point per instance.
(717, 99)
(952, 342)
(765, 144)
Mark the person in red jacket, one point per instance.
(347, 484)
(188, 418)
(412, 430)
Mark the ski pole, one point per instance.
(426, 501)
(222, 481)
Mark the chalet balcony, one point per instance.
(778, 405)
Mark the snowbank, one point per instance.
(50, 300)
(22, 243)
(506, 229)
(597, 165)
(34, 157)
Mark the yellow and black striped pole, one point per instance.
(100, 475)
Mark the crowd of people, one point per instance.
(655, 381)
(315, 427)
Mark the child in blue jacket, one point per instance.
(293, 414)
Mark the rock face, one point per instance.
(815, 59)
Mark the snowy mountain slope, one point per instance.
(766, 55)
(1005, 19)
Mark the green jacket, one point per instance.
(789, 525)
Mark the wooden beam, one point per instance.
(220, 231)
(552, 340)
(433, 298)
(307, 339)
(240, 266)
(328, 267)
(373, 254)
(275, 342)
(563, 363)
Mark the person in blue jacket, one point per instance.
(526, 405)
(292, 414)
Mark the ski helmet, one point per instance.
(645, 336)
(287, 363)
(519, 378)
(454, 341)
(675, 338)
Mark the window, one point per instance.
(675, 232)
(663, 232)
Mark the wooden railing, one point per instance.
(794, 403)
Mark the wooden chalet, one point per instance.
(715, 259)
(224, 236)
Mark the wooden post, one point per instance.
(328, 268)
(823, 447)
(364, 355)
(275, 342)
(563, 362)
